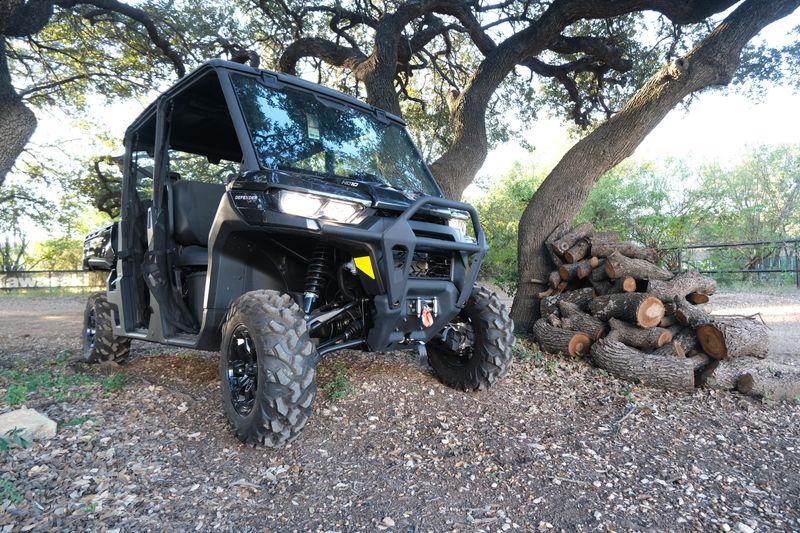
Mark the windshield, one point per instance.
(296, 130)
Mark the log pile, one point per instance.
(611, 301)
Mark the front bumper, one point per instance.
(394, 325)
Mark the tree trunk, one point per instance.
(697, 298)
(17, 122)
(581, 298)
(733, 337)
(564, 192)
(681, 285)
(636, 308)
(618, 266)
(555, 340)
(770, 381)
(643, 339)
(651, 370)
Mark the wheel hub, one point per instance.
(242, 371)
(91, 330)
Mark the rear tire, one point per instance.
(267, 368)
(99, 341)
(489, 357)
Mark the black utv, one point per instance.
(277, 221)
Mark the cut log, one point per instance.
(577, 252)
(580, 297)
(560, 230)
(686, 338)
(671, 349)
(554, 320)
(625, 284)
(544, 294)
(594, 262)
(554, 279)
(556, 340)
(618, 266)
(697, 298)
(682, 284)
(688, 314)
(667, 321)
(576, 320)
(568, 240)
(643, 339)
(579, 270)
(637, 308)
(733, 337)
(756, 377)
(628, 249)
(631, 364)
(599, 272)
(603, 287)
(771, 382)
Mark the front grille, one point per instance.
(427, 265)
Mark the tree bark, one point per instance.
(733, 337)
(555, 340)
(643, 339)
(651, 370)
(618, 266)
(636, 308)
(565, 190)
(681, 285)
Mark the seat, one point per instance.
(194, 206)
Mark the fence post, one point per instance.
(796, 266)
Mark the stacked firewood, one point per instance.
(610, 300)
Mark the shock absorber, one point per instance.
(316, 276)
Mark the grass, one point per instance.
(54, 380)
(9, 492)
(48, 291)
(339, 384)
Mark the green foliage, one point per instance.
(114, 383)
(77, 421)
(339, 385)
(669, 204)
(13, 437)
(500, 210)
(9, 492)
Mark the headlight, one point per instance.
(460, 221)
(314, 206)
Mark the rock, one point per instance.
(388, 522)
(33, 424)
(743, 528)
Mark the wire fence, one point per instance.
(51, 279)
(774, 263)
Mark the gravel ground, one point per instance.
(557, 445)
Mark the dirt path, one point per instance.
(557, 445)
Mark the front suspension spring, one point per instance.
(316, 276)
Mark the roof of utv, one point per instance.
(198, 76)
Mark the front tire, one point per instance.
(99, 341)
(482, 354)
(267, 368)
